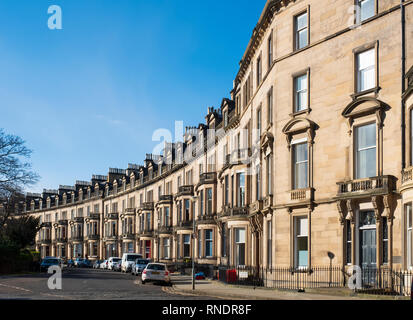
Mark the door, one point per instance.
(368, 258)
(368, 249)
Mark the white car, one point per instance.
(112, 261)
(104, 264)
(128, 259)
(156, 272)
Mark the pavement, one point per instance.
(217, 289)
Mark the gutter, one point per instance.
(403, 87)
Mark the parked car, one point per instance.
(156, 272)
(78, 262)
(111, 261)
(116, 266)
(85, 263)
(97, 263)
(104, 264)
(128, 259)
(139, 266)
(200, 276)
(70, 263)
(49, 262)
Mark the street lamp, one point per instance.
(194, 198)
(159, 239)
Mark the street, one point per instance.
(87, 284)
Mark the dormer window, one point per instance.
(225, 118)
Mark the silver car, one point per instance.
(139, 266)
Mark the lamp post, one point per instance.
(159, 239)
(194, 198)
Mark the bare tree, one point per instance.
(15, 173)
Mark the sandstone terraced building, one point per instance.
(311, 154)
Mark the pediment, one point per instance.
(298, 125)
(364, 106)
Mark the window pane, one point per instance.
(302, 251)
(240, 235)
(366, 151)
(302, 39)
(302, 21)
(301, 93)
(366, 59)
(300, 166)
(302, 227)
(367, 9)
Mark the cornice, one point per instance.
(264, 22)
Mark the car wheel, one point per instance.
(143, 281)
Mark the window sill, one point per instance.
(298, 113)
(374, 90)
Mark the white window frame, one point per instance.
(294, 145)
(367, 68)
(298, 31)
(357, 150)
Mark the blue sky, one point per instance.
(90, 96)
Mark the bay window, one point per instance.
(208, 243)
(241, 189)
(187, 245)
(209, 201)
(201, 203)
(240, 246)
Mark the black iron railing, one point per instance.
(372, 281)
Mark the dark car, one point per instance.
(49, 262)
(85, 263)
(139, 266)
(70, 263)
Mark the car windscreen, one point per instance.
(157, 267)
(132, 258)
(51, 261)
(142, 261)
(116, 260)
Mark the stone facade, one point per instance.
(305, 163)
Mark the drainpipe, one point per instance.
(403, 72)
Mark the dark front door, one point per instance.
(368, 258)
(368, 248)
